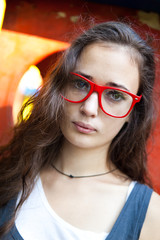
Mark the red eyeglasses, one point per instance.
(113, 101)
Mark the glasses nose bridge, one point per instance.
(98, 89)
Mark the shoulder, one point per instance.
(151, 229)
(6, 213)
(7, 210)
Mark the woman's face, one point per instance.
(84, 124)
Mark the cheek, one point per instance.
(68, 115)
(69, 109)
(113, 127)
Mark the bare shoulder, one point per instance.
(151, 226)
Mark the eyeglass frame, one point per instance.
(99, 89)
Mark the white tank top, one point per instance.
(37, 220)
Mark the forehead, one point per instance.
(106, 62)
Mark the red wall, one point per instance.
(46, 21)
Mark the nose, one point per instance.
(90, 106)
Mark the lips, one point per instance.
(83, 127)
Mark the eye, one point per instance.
(80, 84)
(115, 95)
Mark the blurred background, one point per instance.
(34, 32)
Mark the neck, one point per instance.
(78, 161)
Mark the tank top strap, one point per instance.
(130, 221)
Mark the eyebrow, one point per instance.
(110, 84)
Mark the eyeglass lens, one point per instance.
(114, 102)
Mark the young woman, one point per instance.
(76, 167)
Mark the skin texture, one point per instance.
(86, 152)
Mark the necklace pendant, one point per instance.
(71, 176)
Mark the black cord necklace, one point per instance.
(94, 175)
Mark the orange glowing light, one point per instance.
(2, 11)
(31, 80)
(29, 84)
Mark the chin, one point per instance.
(80, 143)
(85, 142)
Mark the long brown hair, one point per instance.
(38, 139)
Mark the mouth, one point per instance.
(84, 128)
